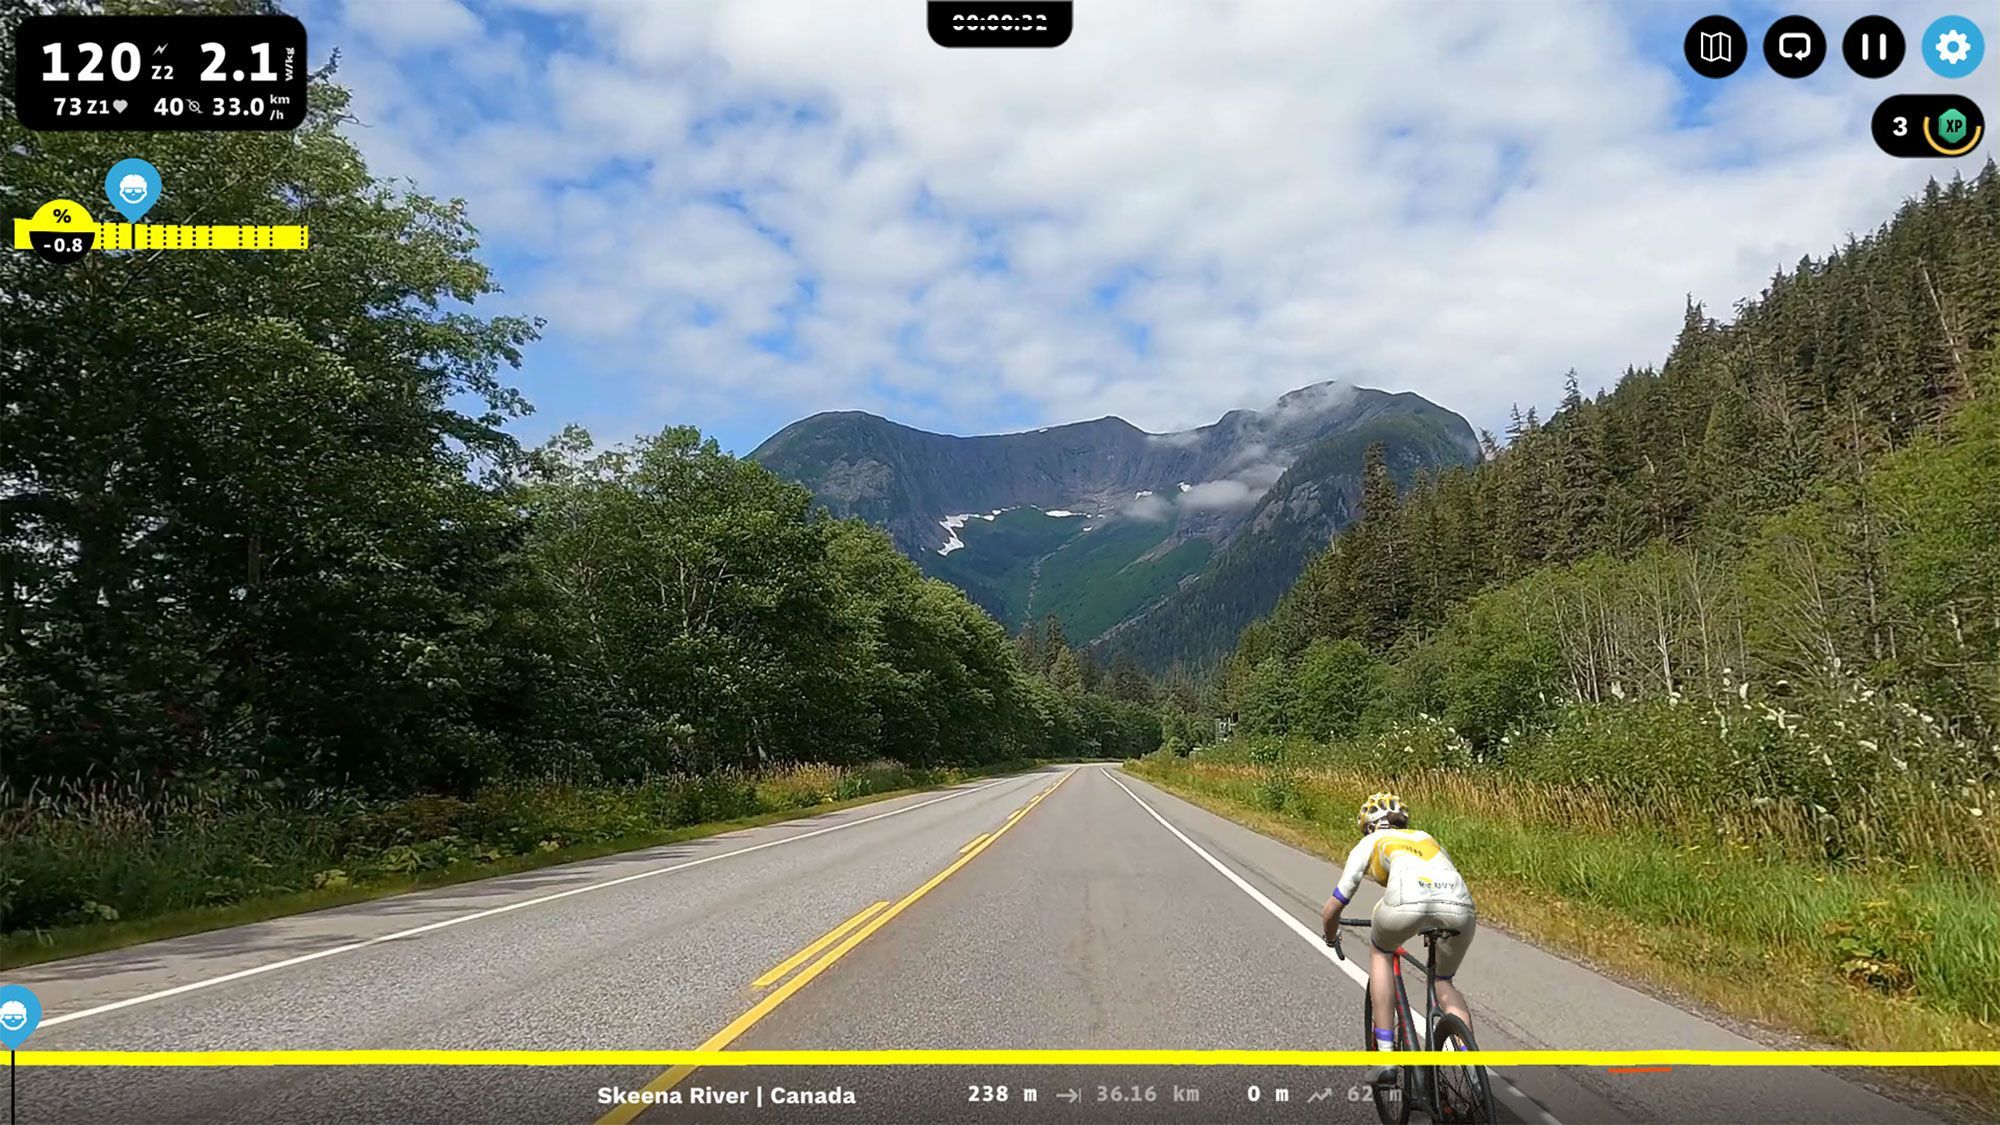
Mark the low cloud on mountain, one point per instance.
(1221, 496)
(1152, 508)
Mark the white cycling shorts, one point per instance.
(1399, 925)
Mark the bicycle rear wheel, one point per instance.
(1392, 1105)
(1464, 1096)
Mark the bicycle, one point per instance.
(1468, 1101)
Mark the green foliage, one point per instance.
(1183, 731)
(1119, 729)
(688, 610)
(1267, 699)
(241, 532)
(101, 852)
(1338, 685)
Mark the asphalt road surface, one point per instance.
(1072, 908)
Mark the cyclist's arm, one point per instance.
(1343, 892)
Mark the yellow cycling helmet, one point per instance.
(1378, 808)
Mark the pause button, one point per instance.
(1873, 47)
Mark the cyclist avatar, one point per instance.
(1420, 890)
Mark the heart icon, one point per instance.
(119, 105)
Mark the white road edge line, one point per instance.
(1526, 1107)
(488, 913)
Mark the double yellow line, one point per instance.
(857, 930)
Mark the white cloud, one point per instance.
(1221, 496)
(1288, 196)
(416, 24)
(1148, 508)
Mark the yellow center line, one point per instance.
(974, 842)
(624, 1113)
(831, 936)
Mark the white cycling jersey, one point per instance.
(1411, 866)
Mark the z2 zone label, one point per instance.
(999, 25)
(160, 73)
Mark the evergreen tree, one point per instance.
(1054, 643)
(1128, 683)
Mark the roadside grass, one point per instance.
(1875, 956)
(189, 864)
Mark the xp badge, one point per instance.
(1928, 126)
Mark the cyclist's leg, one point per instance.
(1382, 987)
(1450, 954)
(1394, 926)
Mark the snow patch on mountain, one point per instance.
(951, 524)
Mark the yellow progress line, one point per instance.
(711, 1057)
(974, 842)
(831, 936)
(623, 1113)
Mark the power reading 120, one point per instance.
(1928, 126)
(160, 73)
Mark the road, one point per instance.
(1073, 907)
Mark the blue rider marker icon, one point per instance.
(20, 1011)
(132, 186)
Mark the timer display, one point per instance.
(160, 73)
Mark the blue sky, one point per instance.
(736, 213)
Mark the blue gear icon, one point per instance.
(1953, 46)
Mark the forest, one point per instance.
(273, 567)
(1768, 570)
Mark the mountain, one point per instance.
(1317, 496)
(1100, 522)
